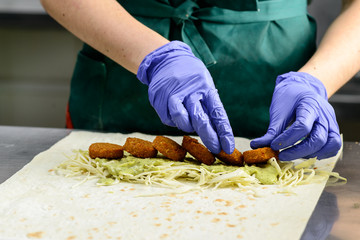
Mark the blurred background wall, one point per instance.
(37, 57)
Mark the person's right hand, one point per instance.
(183, 94)
(300, 113)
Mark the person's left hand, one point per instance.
(300, 99)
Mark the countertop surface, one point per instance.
(336, 216)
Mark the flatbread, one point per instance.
(35, 203)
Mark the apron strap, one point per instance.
(189, 12)
(183, 16)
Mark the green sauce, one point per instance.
(130, 165)
(266, 174)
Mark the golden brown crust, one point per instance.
(197, 150)
(140, 148)
(106, 150)
(236, 158)
(169, 148)
(259, 155)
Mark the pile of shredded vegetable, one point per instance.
(166, 173)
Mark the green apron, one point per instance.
(244, 44)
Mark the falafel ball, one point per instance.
(140, 148)
(197, 150)
(106, 150)
(236, 158)
(169, 148)
(260, 155)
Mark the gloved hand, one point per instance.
(300, 99)
(184, 95)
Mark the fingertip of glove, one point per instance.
(227, 140)
(259, 142)
(228, 146)
(215, 149)
(263, 141)
(210, 141)
(254, 144)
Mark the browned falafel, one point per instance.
(197, 150)
(140, 148)
(169, 148)
(106, 150)
(235, 158)
(260, 155)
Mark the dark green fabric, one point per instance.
(244, 51)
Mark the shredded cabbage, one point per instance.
(171, 174)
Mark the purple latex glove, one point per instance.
(184, 95)
(300, 99)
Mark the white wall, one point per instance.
(36, 65)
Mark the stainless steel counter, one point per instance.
(336, 216)
(19, 145)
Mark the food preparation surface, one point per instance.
(335, 216)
